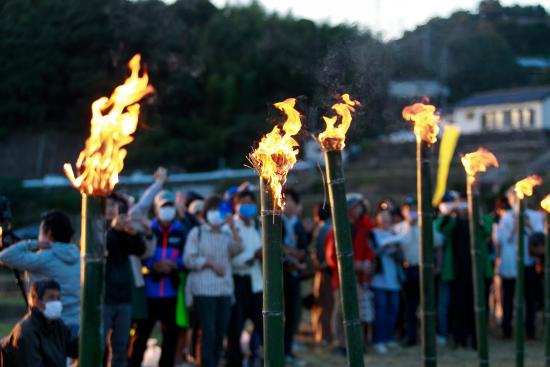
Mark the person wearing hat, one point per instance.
(162, 277)
(363, 256)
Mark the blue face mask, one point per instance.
(248, 210)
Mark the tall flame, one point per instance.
(425, 121)
(478, 162)
(525, 187)
(114, 120)
(277, 151)
(333, 138)
(545, 203)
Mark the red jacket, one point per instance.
(362, 250)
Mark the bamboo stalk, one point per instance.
(520, 287)
(272, 278)
(93, 251)
(425, 224)
(478, 274)
(547, 292)
(344, 251)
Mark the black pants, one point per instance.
(462, 312)
(508, 293)
(248, 306)
(292, 309)
(213, 314)
(411, 290)
(163, 310)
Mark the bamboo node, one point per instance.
(272, 313)
(337, 181)
(352, 322)
(269, 213)
(341, 255)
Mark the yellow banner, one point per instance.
(446, 152)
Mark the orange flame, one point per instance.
(425, 121)
(114, 120)
(333, 138)
(478, 162)
(525, 187)
(277, 151)
(545, 203)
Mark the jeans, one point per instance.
(443, 303)
(213, 313)
(117, 318)
(248, 305)
(163, 310)
(411, 288)
(386, 306)
(293, 308)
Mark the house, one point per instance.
(416, 88)
(504, 110)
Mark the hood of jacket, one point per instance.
(66, 252)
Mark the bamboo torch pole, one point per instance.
(425, 224)
(520, 289)
(522, 189)
(425, 129)
(545, 204)
(475, 163)
(344, 251)
(93, 251)
(273, 278)
(478, 273)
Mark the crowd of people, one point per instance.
(194, 264)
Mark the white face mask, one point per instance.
(53, 310)
(167, 213)
(214, 217)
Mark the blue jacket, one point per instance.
(60, 263)
(170, 243)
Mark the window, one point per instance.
(516, 118)
(528, 118)
(470, 115)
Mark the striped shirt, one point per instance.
(204, 244)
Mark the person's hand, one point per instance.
(159, 267)
(124, 223)
(169, 266)
(217, 268)
(43, 245)
(161, 175)
(180, 204)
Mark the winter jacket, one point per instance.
(118, 275)
(362, 250)
(60, 263)
(37, 342)
(170, 244)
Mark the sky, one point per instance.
(388, 18)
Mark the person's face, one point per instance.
(111, 209)
(355, 212)
(49, 295)
(44, 236)
(291, 207)
(383, 219)
(410, 213)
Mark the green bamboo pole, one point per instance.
(547, 292)
(92, 247)
(272, 254)
(425, 224)
(344, 251)
(478, 275)
(520, 289)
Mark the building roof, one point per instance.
(506, 96)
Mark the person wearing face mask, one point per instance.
(41, 338)
(247, 276)
(162, 277)
(208, 253)
(52, 256)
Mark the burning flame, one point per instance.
(478, 162)
(114, 120)
(277, 151)
(525, 187)
(545, 203)
(333, 138)
(425, 121)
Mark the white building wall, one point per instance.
(469, 119)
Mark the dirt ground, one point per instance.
(502, 354)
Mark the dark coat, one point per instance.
(37, 342)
